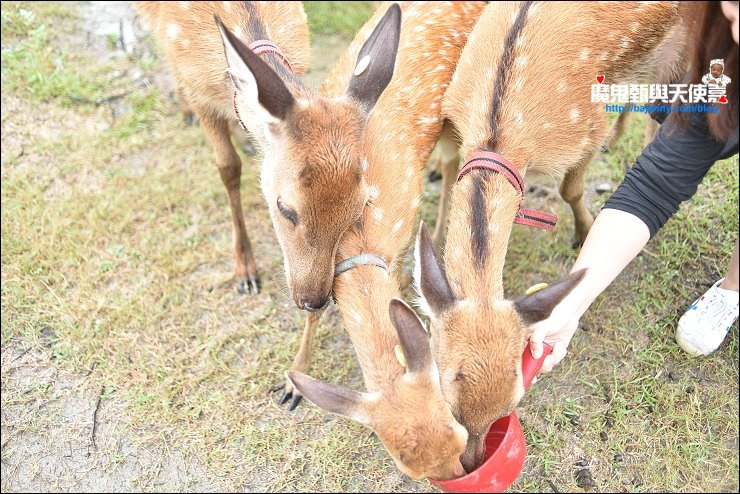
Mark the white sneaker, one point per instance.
(704, 325)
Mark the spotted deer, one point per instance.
(521, 105)
(190, 42)
(402, 403)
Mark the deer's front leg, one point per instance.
(301, 362)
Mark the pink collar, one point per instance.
(258, 48)
(489, 160)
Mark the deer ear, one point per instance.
(414, 339)
(539, 305)
(374, 68)
(257, 84)
(332, 398)
(430, 276)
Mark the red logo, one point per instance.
(722, 99)
(600, 78)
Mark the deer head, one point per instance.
(478, 346)
(408, 414)
(313, 170)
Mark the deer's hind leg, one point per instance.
(571, 190)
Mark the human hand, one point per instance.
(557, 331)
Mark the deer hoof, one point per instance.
(291, 395)
(249, 287)
(605, 149)
(294, 397)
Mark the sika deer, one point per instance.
(522, 104)
(190, 42)
(404, 406)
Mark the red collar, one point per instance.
(264, 46)
(258, 48)
(489, 160)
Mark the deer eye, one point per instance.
(288, 213)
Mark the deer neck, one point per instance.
(482, 212)
(363, 295)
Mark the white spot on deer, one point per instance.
(441, 67)
(184, 5)
(378, 215)
(172, 31)
(520, 40)
(519, 84)
(356, 316)
(397, 226)
(585, 142)
(494, 229)
(625, 42)
(409, 171)
(533, 9)
(489, 73)
(401, 137)
(635, 26)
(364, 165)
(574, 114)
(373, 191)
(362, 65)
(547, 125)
(227, 6)
(562, 86)
(584, 54)
(419, 29)
(519, 119)
(416, 202)
(185, 42)
(521, 61)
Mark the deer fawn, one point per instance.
(190, 42)
(521, 105)
(403, 403)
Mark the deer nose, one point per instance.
(315, 305)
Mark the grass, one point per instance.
(116, 239)
(338, 18)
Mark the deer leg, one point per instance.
(230, 168)
(301, 362)
(449, 162)
(615, 133)
(571, 190)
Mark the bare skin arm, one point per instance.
(616, 238)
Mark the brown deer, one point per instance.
(189, 40)
(521, 104)
(403, 404)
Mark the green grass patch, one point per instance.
(338, 18)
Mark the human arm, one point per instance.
(668, 171)
(616, 237)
